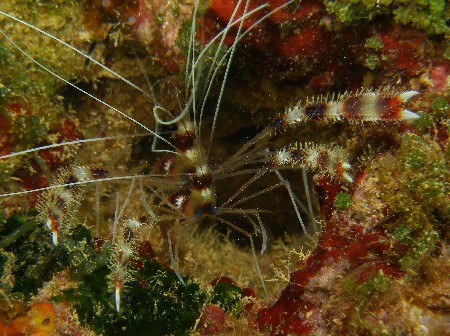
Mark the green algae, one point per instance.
(441, 108)
(372, 61)
(342, 200)
(351, 11)
(424, 121)
(228, 297)
(422, 244)
(419, 176)
(154, 301)
(30, 100)
(446, 52)
(362, 298)
(374, 43)
(429, 15)
(31, 258)
(81, 259)
(375, 286)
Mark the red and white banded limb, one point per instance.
(56, 202)
(382, 105)
(327, 160)
(124, 252)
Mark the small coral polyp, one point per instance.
(141, 213)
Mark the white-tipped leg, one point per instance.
(117, 298)
(55, 238)
(258, 268)
(53, 225)
(346, 165)
(172, 260)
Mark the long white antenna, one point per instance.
(79, 52)
(83, 91)
(75, 142)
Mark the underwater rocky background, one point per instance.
(379, 260)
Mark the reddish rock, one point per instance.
(440, 77)
(64, 131)
(212, 320)
(403, 49)
(344, 246)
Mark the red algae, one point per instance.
(212, 320)
(357, 268)
(325, 54)
(403, 49)
(65, 131)
(439, 76)
(306, 41)
(306, 10)
(5, 136)
(53, 159)
(339, 244)
(224, 11)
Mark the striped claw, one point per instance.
(408, 94)
(381, 105)
(331, 161)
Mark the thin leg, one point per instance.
(308, 198)
(172, 260)
(293, 201)
(97, 209)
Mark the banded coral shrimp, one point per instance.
(54, 197)
(188, 208)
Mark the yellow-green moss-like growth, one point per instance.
(429, 15)
(342, 200)
(416, 187)
(21, 80)
(30, 101)
(440, 108)
(375, 286)
(373, 44)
